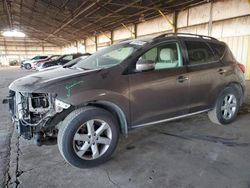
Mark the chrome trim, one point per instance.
(169, 119)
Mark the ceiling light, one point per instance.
(13, 33)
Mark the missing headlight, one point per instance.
(39, 103)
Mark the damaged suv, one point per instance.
(127, 85)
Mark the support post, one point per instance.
(5, 47)
(210, 23)
(174, 22)
(77, 47)
(135, 30)
(96, 45)
(112, 36)
(248, 63)
(85, 45)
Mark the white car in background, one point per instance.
(29, 64)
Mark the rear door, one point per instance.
(205, 75)
(161, 93)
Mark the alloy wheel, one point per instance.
(229, 106)
(92, 139)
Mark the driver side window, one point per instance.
(165, 56)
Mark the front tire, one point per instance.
(226, 107)
(27, 66)
(88, 137)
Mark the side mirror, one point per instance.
(145, 65)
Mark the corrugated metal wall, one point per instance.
(227, 20)
(23, 48)
(240, 47)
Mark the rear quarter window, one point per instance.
(219, 49)
(199, 53)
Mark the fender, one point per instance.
(114, 102)
(117, 111)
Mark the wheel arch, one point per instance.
(236, 85)
(115, 110)
(239, 89)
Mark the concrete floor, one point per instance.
(191, 152)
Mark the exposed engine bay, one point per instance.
(32, 114)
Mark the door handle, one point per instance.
(182, 79)
(222, 71)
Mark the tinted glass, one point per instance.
(199, 52)
(164, 56)
(218, 49)
(36, 57)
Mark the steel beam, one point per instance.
(118, 10)
(6, 4)
(132, 32)
(73, 18)
(168, 20)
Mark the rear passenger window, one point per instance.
(199, 53)
(218, 49)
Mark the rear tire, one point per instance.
(79, 141)
(226, 107)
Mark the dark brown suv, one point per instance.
(127, 85)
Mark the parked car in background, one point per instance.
(69, 64)
(13, 63)
(128, 85)
(29, 64)
(40, 62)
(23, 60)
(62, 60)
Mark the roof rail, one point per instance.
(185, 34)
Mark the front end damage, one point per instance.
(34, 114)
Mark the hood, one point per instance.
(50, 68)
(38, 82)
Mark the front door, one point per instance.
(160, 93)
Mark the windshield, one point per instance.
(108, 57)
(35, 58)
(74, 61)
(54, 57)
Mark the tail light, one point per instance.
(242, 67)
